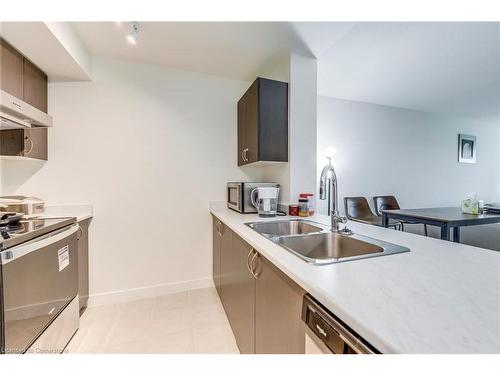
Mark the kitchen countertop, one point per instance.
(442, 297)
(81, 212)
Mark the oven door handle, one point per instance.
(16, 252)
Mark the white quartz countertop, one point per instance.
(81, 212)
(441, 297)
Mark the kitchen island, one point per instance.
(441, 297)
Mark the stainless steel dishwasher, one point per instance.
(326, 334)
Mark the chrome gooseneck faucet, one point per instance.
(329, 171)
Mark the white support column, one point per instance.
(302, 125)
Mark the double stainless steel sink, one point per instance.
(316, 244)
(282, 228)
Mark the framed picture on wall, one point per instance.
(466, 148)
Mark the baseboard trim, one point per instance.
(147, 292)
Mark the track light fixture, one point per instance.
(134, 33)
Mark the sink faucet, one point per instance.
(328, 170)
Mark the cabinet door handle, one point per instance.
(26, 152)
(248, 261)
(244, 155)
(252, 269)
(80, 233)
(219, 228)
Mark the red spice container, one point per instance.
(293, 210)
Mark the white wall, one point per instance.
(149, 148)
(299, 174)
(409, 154)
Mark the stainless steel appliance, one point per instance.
(22, 204)
(239, 195)
(38, 285)
(325, 333)
(17, 114)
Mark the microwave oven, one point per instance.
(239, 195)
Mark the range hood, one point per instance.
(16, 114)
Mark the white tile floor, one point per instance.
(186, 322)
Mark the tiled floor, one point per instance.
(186, 322)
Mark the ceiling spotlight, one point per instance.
(330, 152)
(132, 36)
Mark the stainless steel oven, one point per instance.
(39, 287)
(239, 195)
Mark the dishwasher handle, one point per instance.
(331, 331)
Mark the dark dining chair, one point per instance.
(389, 202)
(358, 209)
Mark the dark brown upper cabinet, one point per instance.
(11, 70)
(263, 123)
(34, 86)
(27, 143)
(21, 78)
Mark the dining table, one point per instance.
(444, 217)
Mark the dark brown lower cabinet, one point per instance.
(222, 239)
(278, 307)
(238, 293)
(216, 244)
(263, 306)
(83, 264)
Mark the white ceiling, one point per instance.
(235, 50)
(449, 68)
